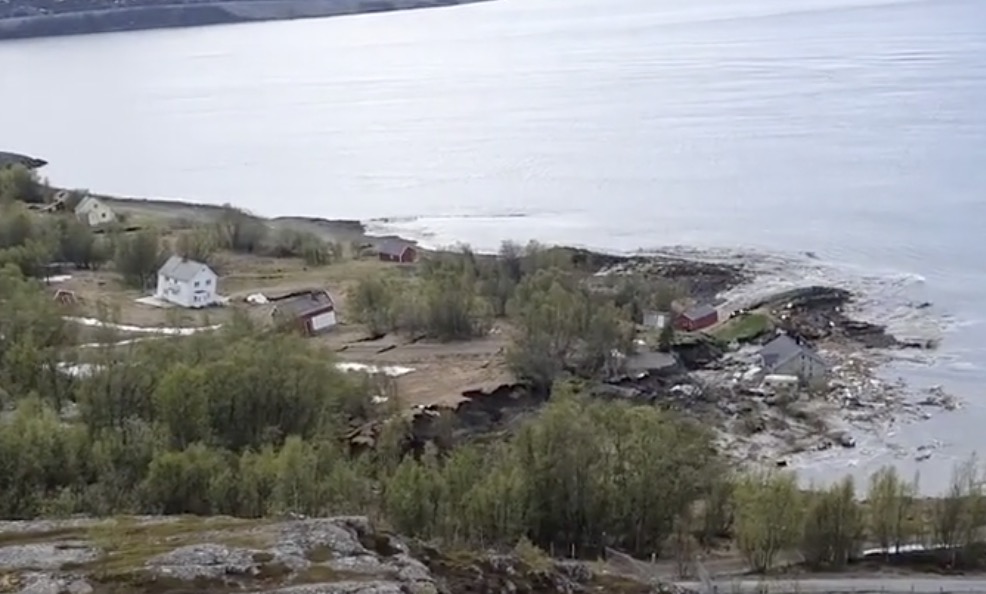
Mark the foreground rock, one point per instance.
(344, 555)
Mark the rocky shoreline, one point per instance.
(20, 19)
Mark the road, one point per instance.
(887, 585)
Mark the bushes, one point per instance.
(444, 305)
(238, 231)
(562, 326)
(19, 184)
(138, 257)
(31, 242)
(769, 513)
(833, 530)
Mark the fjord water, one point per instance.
(852, 129)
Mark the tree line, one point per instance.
(32, 242)
(250, 423)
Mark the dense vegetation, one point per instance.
(249, 422)
(32, 243)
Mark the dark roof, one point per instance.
(393, 247)
(650, 361)
(781, 350)
(182, 269)
(7, 159)
(699, 311)
(304, 304)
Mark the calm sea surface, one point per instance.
(854, 129)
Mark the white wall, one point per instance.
(809, 369)
(184, 293)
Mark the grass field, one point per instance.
(743, 328)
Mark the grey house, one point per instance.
(785, 356)
(650, 363)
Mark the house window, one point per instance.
(208, 282)
(196, 284)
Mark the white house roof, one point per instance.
(183, 269)
(85, 204)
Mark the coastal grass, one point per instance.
(127, 542)
(743, 328)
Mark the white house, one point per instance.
(186, 283)
(94, 212)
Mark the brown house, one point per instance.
(697, 318)
(313, 312)
(397, 251)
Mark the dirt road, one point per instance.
(885, 585)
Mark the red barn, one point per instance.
(698, 317)
(397, 251)
(312, 311)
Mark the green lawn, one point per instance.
(743, 328)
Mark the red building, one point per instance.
(697, 318)
(397, 251)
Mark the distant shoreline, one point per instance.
(149, 15)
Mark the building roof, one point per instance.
(781, 350)
(86, 203)
(305, 303)
(698, 312)
(650, 361)
(183, 269)
(393, 247)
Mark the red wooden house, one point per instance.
(697, 318)
(397, 251)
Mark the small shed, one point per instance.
(65, 297)
(656, 320)
(312, 311)
(392, 250)
(94, 212)
(697, 318)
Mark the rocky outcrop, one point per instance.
(104, 17)
(343, 555)
(8, 159)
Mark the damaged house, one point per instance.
(785, 356)
(312, 311)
